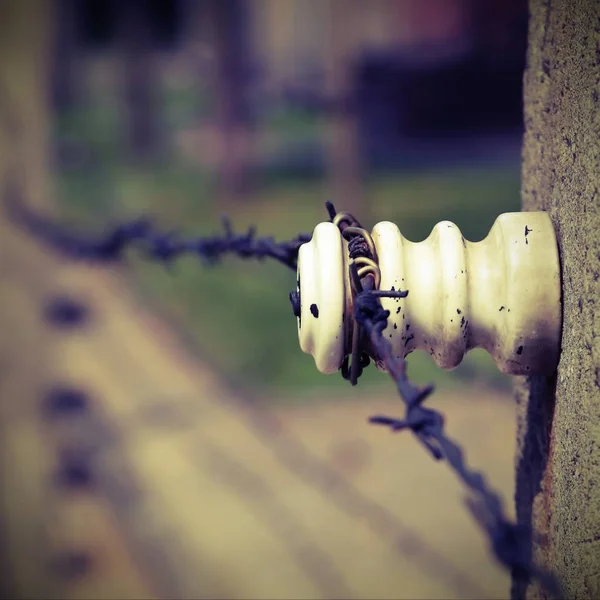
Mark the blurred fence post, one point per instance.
(66, 74)
(230, 36)
(343, 152)
(558, 464)
(24, 132)
(140, 82)
(67, 80)
(24, 532)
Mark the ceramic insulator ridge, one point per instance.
(501, 294)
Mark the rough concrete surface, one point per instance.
(558, 462)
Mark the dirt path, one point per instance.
(197, 493)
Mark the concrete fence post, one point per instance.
(558, 461)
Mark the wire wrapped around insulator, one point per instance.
(352, 232)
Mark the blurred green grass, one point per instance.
(237, 314)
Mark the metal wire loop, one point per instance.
(370, 267)
(350, 228)
(350, 232)
(344, 217)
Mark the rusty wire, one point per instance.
(510, 542)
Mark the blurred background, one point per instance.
(401, 110)
(394, 110)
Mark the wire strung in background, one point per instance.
(510, 542)
(156, 245)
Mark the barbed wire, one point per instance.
(510, 542)
(156, 245)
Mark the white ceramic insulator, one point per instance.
(502, 294)
(323, 265)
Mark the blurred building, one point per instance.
(413, 69)
(406, 76)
